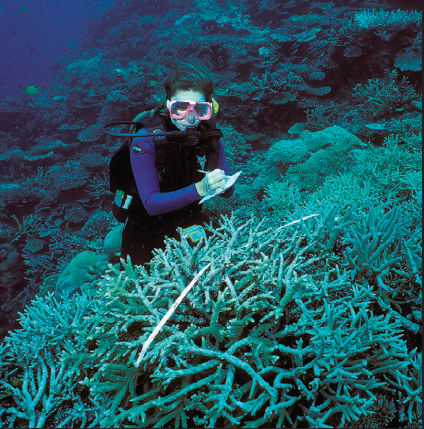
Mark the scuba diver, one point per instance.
(176, 158)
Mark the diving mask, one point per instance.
(202, 110)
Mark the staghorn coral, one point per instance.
(345, 190)
(36, 385)
(380, 97)
(411, 383)
(283, 196)
(391, 170)
(386, 23)
(373, 252)
(383, 252)
(278, 87)
(235, 145)
(97, 190)
(243, 204)
(410, 141)
(410, 58)
(275, 333)
(383, 412)
(413, 208)
(321, 116)
(391, 173)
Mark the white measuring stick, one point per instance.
(168, 315)
(296, 221)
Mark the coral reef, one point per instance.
(275, 333)
(309, 314)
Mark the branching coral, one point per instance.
(235, 145)
(389, 22)
(237, 351)
(391, 170)
(37, 388)
(383, 412)
(207, 302)
(375, 245)
(380, 97)
(321, 116)
(411, 383)
(283, 196)
(345, 190)
(386, 25)
(274, 333)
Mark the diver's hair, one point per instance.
(190, 75)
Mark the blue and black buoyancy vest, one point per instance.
(177, 165)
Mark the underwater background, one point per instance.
(309, 314)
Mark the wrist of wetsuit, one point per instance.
(200, 188)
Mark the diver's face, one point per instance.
(190, 120)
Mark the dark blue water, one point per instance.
(33, 34)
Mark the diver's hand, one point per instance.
(213, 181)
(216, 179)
